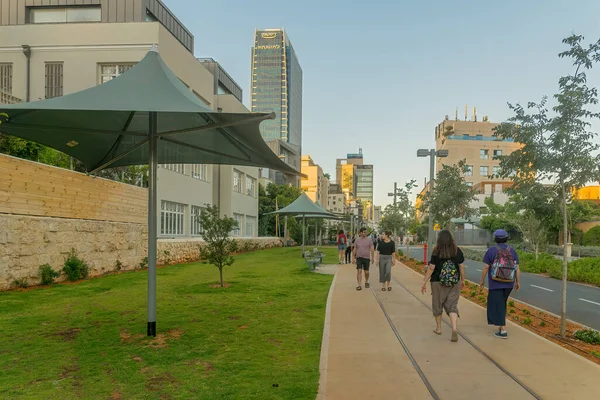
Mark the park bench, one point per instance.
(313, 259)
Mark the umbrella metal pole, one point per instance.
(303, 229)
(152, 231)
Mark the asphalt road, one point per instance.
(583, 302)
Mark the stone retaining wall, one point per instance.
(27, 242)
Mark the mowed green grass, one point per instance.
(258, 339)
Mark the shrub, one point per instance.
(585, 270)
(119, 265)
(545, 261)
(48, 274)
(22, 283)
(526, 312)
(596, 353)
(588, 336)
(527, 321)
(75, 267)
(144, 263)
(400, 253)
(512, 311)
(579, 251)
(472, 254)
(592, 237)
(511, 303)
(542, 323)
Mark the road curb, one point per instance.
(322, 392)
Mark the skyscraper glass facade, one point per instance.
(277, 86)
(364, 183)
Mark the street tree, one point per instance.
(219, 246)
(558, 148)
(452, 196)
(270, 199)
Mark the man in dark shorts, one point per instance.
(363, 253)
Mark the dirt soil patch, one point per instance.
(218, 285)
(537, 321)
(69, 335)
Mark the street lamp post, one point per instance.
(432, 155)
(395, 195)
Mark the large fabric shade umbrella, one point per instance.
(304, 206)
(145, 116)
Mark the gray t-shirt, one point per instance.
(363, 247)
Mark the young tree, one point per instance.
(218, 247)
(558, 148)
(452, 196)
(534, 232)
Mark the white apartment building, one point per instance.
(53, 48)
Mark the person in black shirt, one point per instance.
(385, 258)
(447, 261)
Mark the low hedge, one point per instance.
(586, 270)
(543, 264)
(577, 251)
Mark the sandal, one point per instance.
(367, 285)
(358, 288)
(454, 336)
(436, 332)
(389, 288)
(383, 289)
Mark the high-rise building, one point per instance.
(315, 184)
(473, 141)
(364, 183)
(277, 86)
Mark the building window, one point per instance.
(488, 188)
(237, 231)
(468, 170)
(497, 170)
(57, 15)
(237, 181)
(109, 72)
(498, 188)
(484, 170)
(483, 154)
(5, 80)
(497, 153)
(171, 218)
(250, 226)
(179, 168)
(200, 172)
(250, 186)
(196, 223)
(54, 79)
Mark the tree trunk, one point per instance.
(563, 305)
(537, 251)
(221, 275)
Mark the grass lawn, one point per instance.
(258, 339)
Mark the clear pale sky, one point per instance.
(381, 75)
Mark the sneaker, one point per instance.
(367, 285)
(501, 335)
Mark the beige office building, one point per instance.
(474, 142)
(53, 48)
(315, 184)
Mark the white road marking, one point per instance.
(478, 270)
(589, 301)
(543, 288)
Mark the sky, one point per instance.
(380, 75)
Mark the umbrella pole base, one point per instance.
(152, 329)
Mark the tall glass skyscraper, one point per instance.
(277, 86)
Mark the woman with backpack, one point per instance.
(342, 243)
(502, 269)
(447, 274)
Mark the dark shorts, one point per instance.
(363, 263)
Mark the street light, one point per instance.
(431, 154)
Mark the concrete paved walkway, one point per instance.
(362, 357)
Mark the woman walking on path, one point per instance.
(502, 269)
(349, 249)
(342, 243)
(386, 260)
(447, 274)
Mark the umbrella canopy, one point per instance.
(107, 125)
(303, 205)
(317, 216)
(144, 116)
